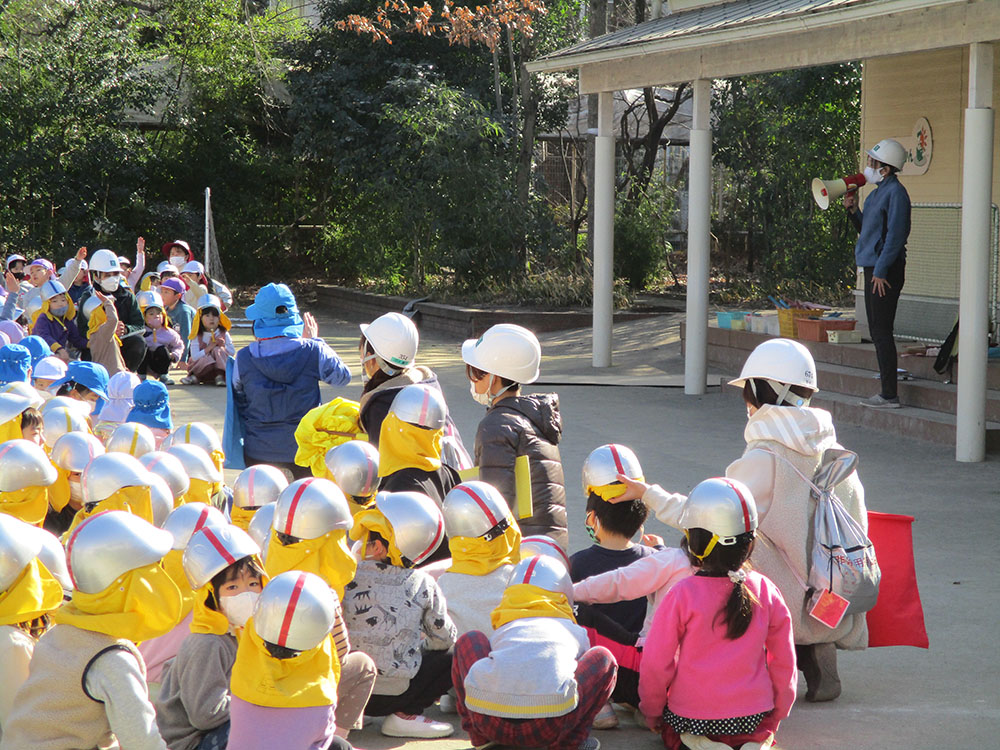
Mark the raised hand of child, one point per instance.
(652, 540)
(13, 285)
(140, 245)
(634, 490)
(81, 254)
(310, 329)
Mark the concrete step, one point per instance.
(912, 422)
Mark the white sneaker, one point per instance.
(189, 380)
(447, 704)
(416, 726)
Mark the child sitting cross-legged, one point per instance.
(398, 616)
(536, 682)
(211, 345)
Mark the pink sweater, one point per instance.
(264, 728)
(652, 576)
(689, 663)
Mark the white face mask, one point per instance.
(58, 310)
(481, 398)
(75, 490)
(238, 609)
(873, 175)
(178, 261)
(111, 283)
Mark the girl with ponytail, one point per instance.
(719, 661)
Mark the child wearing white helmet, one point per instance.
(199, 284)
(56, 324)
(87, 685)
(388, 350)
(721, 642)
(164, 347)
(536, 682)
(785, 441)
(211, 344)
(290, 669)
(498, 363)
(45, 373)
(398, 615)
(24, 292)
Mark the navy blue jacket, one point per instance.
(884, 227)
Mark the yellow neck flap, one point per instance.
(611, 491)
(34, 593)
(326, 556)
(30, 504)
(135, 500)
(370, 520)
(11, 430)
(403, 446)
(202, 491)
(525, 600)
(241, 517)
(59, 491)
(206, 619)
(475, 556)
(98, 318)
(175, 569)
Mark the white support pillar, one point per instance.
(699, 241)
(973, 305)
(604, 229)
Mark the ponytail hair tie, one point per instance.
(738, 576)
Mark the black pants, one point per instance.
(156, 363)
(431, 681)
(133, 351)
(881, 313)
(298, 472)
(627, 687)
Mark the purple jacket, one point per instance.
(58, 332)
(167, 337)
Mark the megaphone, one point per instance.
(825, 191)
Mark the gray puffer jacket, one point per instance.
(526, 426)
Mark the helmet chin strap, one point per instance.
(782, 391)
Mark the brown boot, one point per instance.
(818, 663)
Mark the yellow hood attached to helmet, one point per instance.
(201, 491)
(323, 428)
(610, 491)
(241, 517)
(206, 619)
(525, 600)
(224, 324)
(134, 500)
(70, 313)
(98, 318)
(11, 430)
(30, 504)
(34, 593)
(172, 563)
(372, 519)
(59, 490)
(403, 445)
(139, 605)
(307, 679)
(326, 556)
(475, 556)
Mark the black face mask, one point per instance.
(19, 275)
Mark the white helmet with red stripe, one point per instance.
(722, 506)
(422, 405)
(417, 524)
(309, 508)
(296, 611)
(354, 466)
(189, 518)
(161, 500)
(544, 572)
(213, 549)
(197, 464)
(258, 486)
(546, 546)
(132, 438)
(260, 527)
(109, 544)
(476, 509)
(604, 464)
(168, 468)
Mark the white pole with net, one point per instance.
(208, 223)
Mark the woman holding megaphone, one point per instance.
(881, 252)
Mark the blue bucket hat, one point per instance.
(15, 363)
(88, 374)
(151, 406)
(274, 313)
(38, 347)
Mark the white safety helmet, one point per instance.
(149, 298)
(74, 451)
(421, 405)
(310, 508)
(546, 573)
(394, 339)
(105, 261)
(19, 545)
(507, 351)
(417, 524)
(50, 289)
(22, 389)
(207, 301)
(61, 420)
(65, 401)
(296, 610)
(193, 266)
(476, 509)
(257, 486)
(260, 526)
(49, 368)
(604, 464)
(197, 464)
(194, 433)
(723, 506)
(124, 260)
(782, 363)
(170, 469)
(110, 544)
(91, 304)
(545, 546)
(354, 466)
(12, 406)
(53, 557)
(161, 500)
(111, 472)
(888, 151)
(132, 438)
(24, 464)
(211, 550)
(165, 266)
(183, 521)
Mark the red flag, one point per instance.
(898, 617)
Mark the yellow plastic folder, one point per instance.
(522, 487)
